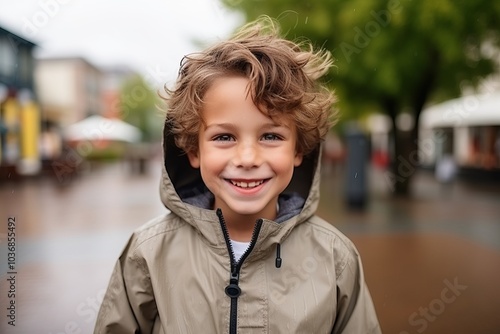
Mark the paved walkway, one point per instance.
(432, 264)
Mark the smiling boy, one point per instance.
(241, 250)
(246, 159)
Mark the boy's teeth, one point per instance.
(251, 184)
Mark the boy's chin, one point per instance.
(249, 210)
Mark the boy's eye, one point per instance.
(223, 137)
(271, 136)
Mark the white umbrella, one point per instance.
(100, 128)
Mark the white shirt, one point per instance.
(239, 248)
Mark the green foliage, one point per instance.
(401, 51)
(138, 105)
(112, 152)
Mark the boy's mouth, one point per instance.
(247, 184)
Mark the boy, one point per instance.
(241, 250)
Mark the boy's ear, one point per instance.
(298, 159)
(194, 160)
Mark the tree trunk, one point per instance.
(402, 165)
(423, 90)
(405, 160)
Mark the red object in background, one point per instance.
(380, 159)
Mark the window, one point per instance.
(7, 57)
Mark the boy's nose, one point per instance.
(247, 156)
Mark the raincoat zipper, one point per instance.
(233, 290)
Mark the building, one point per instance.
(111, 89)
(69, 89)
(19, 112)
(466, 129)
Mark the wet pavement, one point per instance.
(68, 238)
(432, 263)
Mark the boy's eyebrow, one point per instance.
(219, 125)
(231, 126)
(276, 125)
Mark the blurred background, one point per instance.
(411, 171)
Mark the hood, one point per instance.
(183, 192)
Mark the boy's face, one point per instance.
(245, 158)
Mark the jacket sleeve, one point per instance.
(128, 305)
(355, 311)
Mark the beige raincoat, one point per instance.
(177, 274)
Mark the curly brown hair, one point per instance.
(283, 78)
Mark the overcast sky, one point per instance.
(150, 36)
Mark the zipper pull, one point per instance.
(233, 290)
(278, 256)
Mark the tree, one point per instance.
(393, 56)
(138, 106)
